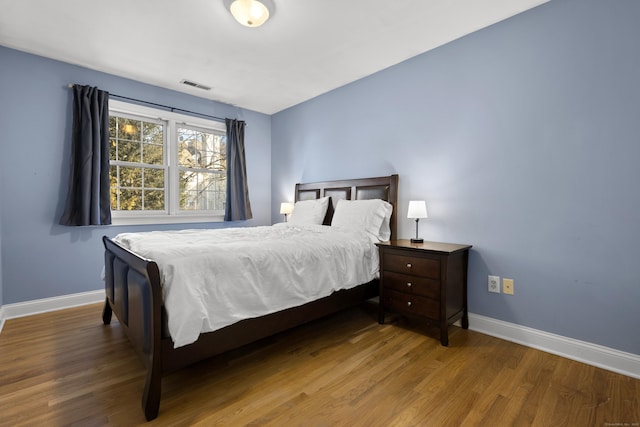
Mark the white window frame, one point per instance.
(172, 213)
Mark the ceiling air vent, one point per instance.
(194, 84)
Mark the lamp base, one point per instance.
(417, 240)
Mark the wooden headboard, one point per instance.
(384, 187)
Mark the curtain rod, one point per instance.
(172, 109)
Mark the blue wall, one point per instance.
(523, 138)
(40, 258)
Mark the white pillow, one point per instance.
(372, 216)
(307, 212)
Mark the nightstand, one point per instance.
(425, 280)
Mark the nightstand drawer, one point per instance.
(412, 284)
(411, 304)
(425, 267)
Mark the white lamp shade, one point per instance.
(417, 209)
(250, 13)
(286, 208)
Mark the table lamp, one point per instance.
(286, 209)
(417, 210)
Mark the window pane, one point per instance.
(188, 154)
(130, 177)
(128, 151)
(112, 137)
(140, 142)
(201, 150)
(153, 133)
(115, 190)
(153, 178)
(188, 189)
(114, 198)
(154, 200)
(201, 154)
(153, 143)
(138, 188)
(188, 200)
(202, 190)
(152, 154)
(113, 176)
(128, 134)
(113, 150)
(130, 200)
(129, 129)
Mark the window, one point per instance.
(165, 167)
(137, 163)
(202, 164)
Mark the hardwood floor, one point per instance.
(66, 368)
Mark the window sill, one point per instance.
(165, 219)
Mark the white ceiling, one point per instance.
(307, 48)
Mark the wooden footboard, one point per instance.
(132, 285)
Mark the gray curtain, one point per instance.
(88, 197)
(237, 206)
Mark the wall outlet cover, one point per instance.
(507, 286)
(494, 284)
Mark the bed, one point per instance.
(135, 295)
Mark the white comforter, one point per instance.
(214, 278)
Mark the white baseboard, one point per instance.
(581, 351)
(1, 318)
(28, 308)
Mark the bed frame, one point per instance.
(134, 294)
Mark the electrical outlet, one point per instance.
(494, 284)
(507, 286)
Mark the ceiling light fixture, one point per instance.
(250, 13)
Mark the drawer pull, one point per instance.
(408, 265)
(408, 284)
(409, 304)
